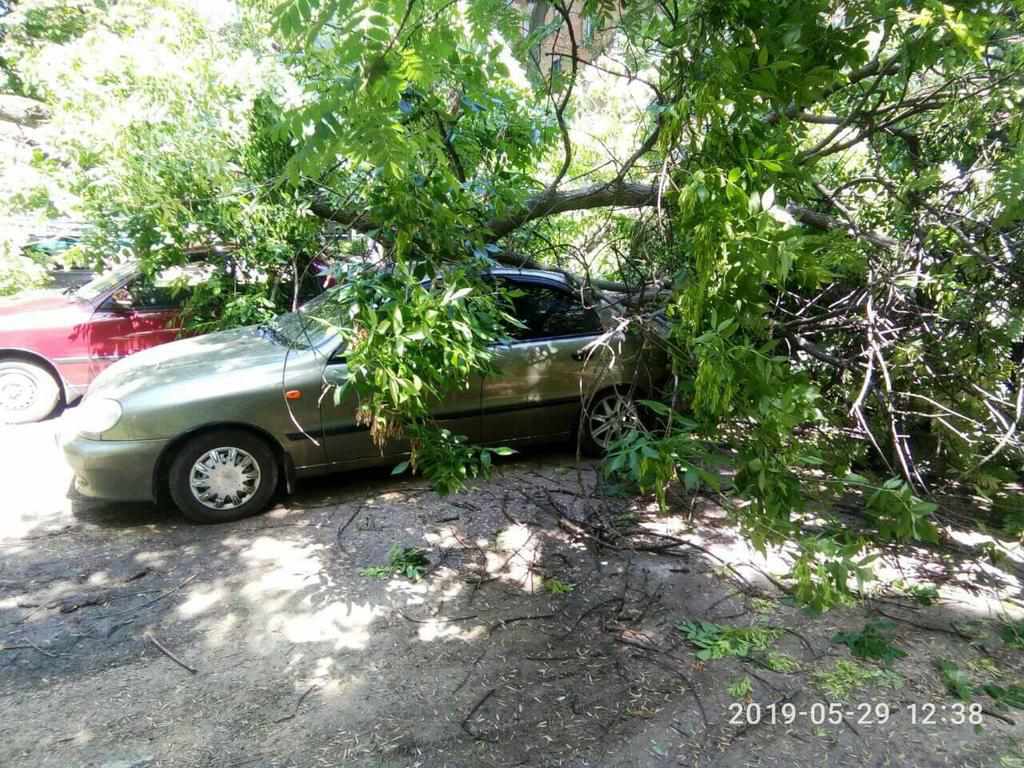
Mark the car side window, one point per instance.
(142, 294)
(548, 312)
(169, 290)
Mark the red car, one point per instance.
(52, 347)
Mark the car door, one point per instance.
(542, 371)
(348, 441)
(139, 314)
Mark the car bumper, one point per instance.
(117, 470)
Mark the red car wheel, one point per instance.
(27, 392)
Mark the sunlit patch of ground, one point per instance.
(33, 481)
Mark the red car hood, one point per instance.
(46, 311)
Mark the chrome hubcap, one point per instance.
(610, 418)
(224, 478)
(17, 390)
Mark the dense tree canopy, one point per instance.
(825, 198)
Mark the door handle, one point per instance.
(580, 355)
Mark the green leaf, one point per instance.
(955, 680)
(1010, 696)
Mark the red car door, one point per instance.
(141, 314)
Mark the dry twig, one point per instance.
(166, 652)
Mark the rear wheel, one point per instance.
(28, 392)
(605, 419)
(223, 476)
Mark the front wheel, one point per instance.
(27, 392)
(223, 476)
(605, 419)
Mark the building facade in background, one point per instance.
(555, 51)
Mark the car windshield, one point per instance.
(314, 323)
(108, 280)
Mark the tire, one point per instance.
(605, 417)
(241, 470)
(28, 392)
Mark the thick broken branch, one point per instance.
(822, 221)
(621, 194)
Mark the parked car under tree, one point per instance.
(52, 347)
(220, 422)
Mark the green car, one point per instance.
(221, 422)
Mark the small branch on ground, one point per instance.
(166, 652)
(502, 623)
(158, 598)
(476, 708)
(298, 704)
(439, 619)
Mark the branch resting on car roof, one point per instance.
(619, 194)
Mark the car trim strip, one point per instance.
(86, 358)
(353, 428)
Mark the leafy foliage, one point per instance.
(741, 688)
(956, 680)
(872, 642)
(18, 272)
(845, 677)
(780, 662)
(558, 587)
(922, 594)
(715, 641)
(161, 138)
(408, 342)
(652, 461)
(823, 568)
(1010, 696)
(445, 459)
(899, 515)
(1012, 633)
(408, 562)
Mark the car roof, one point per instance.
(536, 274)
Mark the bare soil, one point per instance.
(131, 638)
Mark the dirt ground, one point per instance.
(130, 638)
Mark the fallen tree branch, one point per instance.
(166, 652)
(440, 619)
(298, 704)
(476, 708)
(158, 598)
(502, 623)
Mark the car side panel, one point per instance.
(113, 334)
(254, 398)
(346, 440)
(536, 391)
(56, 334)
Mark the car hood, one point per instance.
(42, 312)
(213, 356)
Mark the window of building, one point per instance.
(588, 30)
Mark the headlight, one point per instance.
(95, 416)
